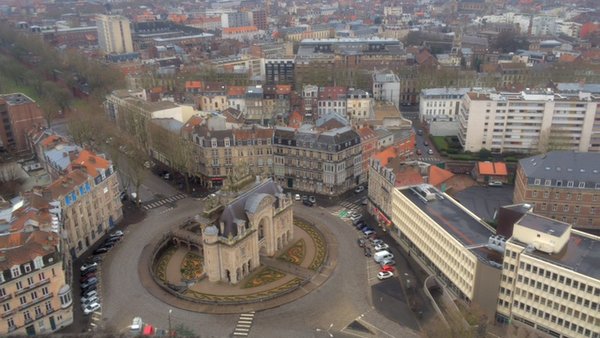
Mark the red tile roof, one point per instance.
(438, 175)
(492, 168)
(193, 85)
(90, 162)
(236, 91)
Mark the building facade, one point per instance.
(440, 103)
(386, 87)
(258, 222)
(561, 185)
(528, 122)
(114, 34)
(359, 105)
(550, 279)
(326, 163)
(19, 114)
(36, 297)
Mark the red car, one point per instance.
(388, 268)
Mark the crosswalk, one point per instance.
(429, 159)
(96, 319)
(344, 208)
(244, 324)
(156, 204)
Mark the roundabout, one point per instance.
(176, 266)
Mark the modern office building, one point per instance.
(550, 279)
(529, 121)
(322, 162)
(440, 103)
(561, 185)
(114, 34)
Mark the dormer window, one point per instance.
(537, 181)
(570, 184)
(15, 271)
(227, 142)
(38, 262)
(581, 185)
(213, 142)
(27, 267)
(547, 182)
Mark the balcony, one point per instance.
(5, 297)
(9, 313)
(32, 286)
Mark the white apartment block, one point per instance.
(529, 121)
(550, 279)
(386, 87)
(359, 105)
(114, 34)
(440, 103)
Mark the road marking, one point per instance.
(240, 333)
(244, 324)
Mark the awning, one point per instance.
(216, 178)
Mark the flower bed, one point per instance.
(295, 254)
(264, 276)
(191, 266)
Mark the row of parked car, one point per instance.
(309, 201)
(89, 280)
(382, 256)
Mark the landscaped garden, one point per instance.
(295, 254)
(262, 277)
(191, 266)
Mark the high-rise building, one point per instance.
(114, 34)
(529, 121)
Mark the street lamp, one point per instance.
(170, 311)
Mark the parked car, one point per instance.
(420, 132)
(368, 232)
(361, 242)
(419, 152)
(381, 246)
(89, 282)
(387, 268)
(305, 197)
(360, 224)
(307, 203)
(117, 233)
(367, 228)
(387, 262)
(495, 184)
(430, 151)
(384, 275)
(92, 288)
(101, 250)
(85, 267)
(365, 201)
(91, 308)
(93, 259)
(136, 325)
(90, 294)
(88, 301)
(376, 241)
(312, 199)
(359, 189)
(297, 197)
(355, 217)
(425, 143)
(86, 277)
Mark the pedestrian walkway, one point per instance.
(430, 159)
(156, 204)
(287, 267)
(345, 208)
(244, 324)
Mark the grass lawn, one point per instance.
(440, 143)
(8, 86)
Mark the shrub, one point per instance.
(439, 142)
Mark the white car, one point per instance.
(88, 266)
(495, 184)
(381, 246)
(297, 197)
(117, 233)
(368, 233)
(91, 308)
(359, 189)
(376, 241)
(87, 301)
(384, 275)
(355, 217)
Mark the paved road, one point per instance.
(342, 299)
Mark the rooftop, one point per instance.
(16, 98)
(453, 218)
(492, 168)
(544, 224)
(581, 254)
(563, 165)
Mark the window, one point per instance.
(557, 195)
(537, 181)
(546, 194)
(570, 184)
(547, 183)
(29, 280)
(15, 271)
(6, 307)
(534, 194)
(565, 208)
(45, 290)
(576, 209)
(19, 285)
(27, 267)
(38, 262)
(23, 300)
(27, 316)
(579, 197)
(10, 322)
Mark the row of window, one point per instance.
(16, 271)
(10, 322)
(557, 195)
(558, 293)
(551, 303)
(554, 319)
(559, 183)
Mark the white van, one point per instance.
(381, 255)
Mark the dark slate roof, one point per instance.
(333, 140)
(564, 166)
(235, 212)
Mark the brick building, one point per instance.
(19, 114)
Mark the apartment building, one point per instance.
(386, 87)
(35, 295)
(561, 185)
(440, 103)
(221, 148)
(278, 71)
(359, 105)
(114, 34)
(86, 200)
(550, 279)
(19, 113)
(529, 121)
(322, 162)
(332, 100)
